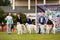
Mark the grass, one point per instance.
(15, 36)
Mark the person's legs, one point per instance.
(39, 29)
(42, 28)
(19, 28)
(24, 28)
(28, 27)
(54, 30)
(8, 28)
(12, 27)
(18, 31)
(35, 28)
(48, 28)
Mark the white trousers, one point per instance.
(42, 28)
(19, 28)
(49, 29)
(8, 28)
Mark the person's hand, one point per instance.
(45, 24)
(39, 24)
(18, 23)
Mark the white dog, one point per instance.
(49, 27)
(30, 27)
(19, 28)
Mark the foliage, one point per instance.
(2, 15)
(14, 18)
(23, 17)
(1, 2)
(5, 3)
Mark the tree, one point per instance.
(1, 15)
(23, 17)
(1, 2)
(5, 3)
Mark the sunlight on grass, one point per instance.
(33, 36)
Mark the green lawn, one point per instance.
(14, 36)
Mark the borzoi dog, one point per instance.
(30, 27)
(19, 28)
(50, 27)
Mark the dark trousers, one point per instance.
(39, 30)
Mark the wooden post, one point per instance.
(59, 1)
(28, 4)
(44, 1)
(13, 5)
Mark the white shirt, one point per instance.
(41, 19)
(9, 19)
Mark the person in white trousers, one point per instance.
(50, 26)
(9, 20)
(19, 28)
(19, 24)
(42, 23)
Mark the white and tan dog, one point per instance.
(51, 27)
(19, 28)
(30, 27)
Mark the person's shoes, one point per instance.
(39, 32)
(9, 33)
(18, 33)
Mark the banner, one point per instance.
(53, 10)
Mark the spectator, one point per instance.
(9, 20)
(28, 23)
(42, 23)
(19, 24)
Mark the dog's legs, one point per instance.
(42, 28)
(53, 31)
(29, 28)
(18, 32)
(21, 31)
(24, 29)
(47, 29)
(35, 28)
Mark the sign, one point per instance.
(31, 15)
(53, 10)
(51, 7)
